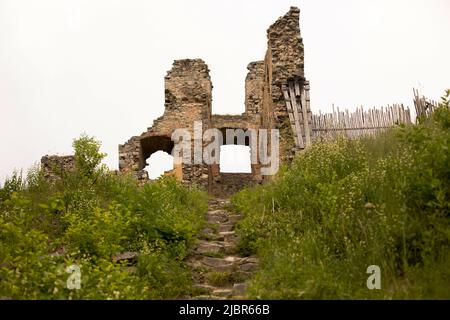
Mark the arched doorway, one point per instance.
(156, 156)
(158, 163)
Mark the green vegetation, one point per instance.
(340, 207)
(345, 205)
(85, 218)
(223, 278)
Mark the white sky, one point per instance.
(97, 66)
(235, 159)
(158, 163)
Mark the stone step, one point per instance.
(225, 227)
(229, 236)
(230, 248)
(207, 231)
(223, 263)
(204, 246)
(218, 216)
(208, 297)
(248, 267)
(218, 264)
(223, 292)
(235, 259)
(213, 237)
(205, 288)
(215, 276)
(227, 233)
(217, 211)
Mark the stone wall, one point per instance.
(254, 88)
(285, 49)
(188, 98)
(230, 183)
(284, 61)
(235, 121)
(53, 167)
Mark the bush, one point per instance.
(86, 217)
(88, 156)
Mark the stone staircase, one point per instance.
(218, 271)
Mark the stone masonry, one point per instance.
(188, 98)
(54, 166)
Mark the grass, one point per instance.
(345, 205)
(340, 207)
(222, 279)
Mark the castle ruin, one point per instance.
(276, 97)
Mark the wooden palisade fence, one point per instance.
(424, 107)
(307, 127)
(359, 122)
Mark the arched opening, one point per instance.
(156, 156)
(235, 159)
(158, 163)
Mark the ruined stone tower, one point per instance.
(276, 97)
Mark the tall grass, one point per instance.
(85, 218)
(345, 205)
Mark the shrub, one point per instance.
(86, 217)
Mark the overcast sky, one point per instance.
(97, 66)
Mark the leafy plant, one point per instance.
(86, 217)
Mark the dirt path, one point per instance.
(218, 271)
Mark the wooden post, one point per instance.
(305, 116)
(296, 115)
(291, 116)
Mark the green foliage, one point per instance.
(165, 275)
(85, 218)
(88, 156)
(12, 184)
(167, 208)
(101, 233)
(21, 251)
(345, 205)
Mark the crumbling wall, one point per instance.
(129, 155)
(234, 121)
(53, 167)
(231, 183)
(187, 99)
(254, 86)
(284, 61)
(285, 49)
(248, 123)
